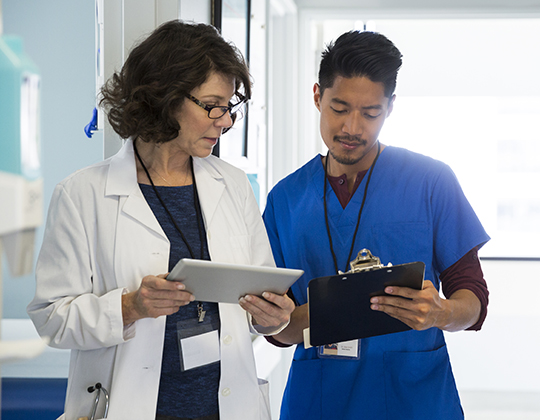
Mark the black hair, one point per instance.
(361, 54)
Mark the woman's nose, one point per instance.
(224, 121)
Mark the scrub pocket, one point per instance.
(301, 401)
(322, 389)
(420, 385)
(407, 240)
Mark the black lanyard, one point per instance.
(359, 212)
(195, 202)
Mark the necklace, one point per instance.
(359, 212)
(158, 174)
(161, 177)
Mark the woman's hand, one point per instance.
(155, 297)
(270, 311)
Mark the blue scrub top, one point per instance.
(415, 210)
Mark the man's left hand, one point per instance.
(421, 310)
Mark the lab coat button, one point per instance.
(227, 340)
(225, 392)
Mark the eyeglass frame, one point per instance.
(209, 108)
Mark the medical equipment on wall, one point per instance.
(21, 185)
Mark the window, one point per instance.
(468, 94)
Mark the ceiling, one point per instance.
(432, 5)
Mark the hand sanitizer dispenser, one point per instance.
(21, 185)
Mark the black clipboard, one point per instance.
(339, 306)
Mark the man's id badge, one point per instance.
(346, 349)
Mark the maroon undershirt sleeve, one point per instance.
(467, 273)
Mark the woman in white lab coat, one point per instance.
(115, 228)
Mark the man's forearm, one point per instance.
(465, 311)
(293, 334)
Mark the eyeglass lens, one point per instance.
(220, 111)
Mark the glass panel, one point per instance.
(235, 29)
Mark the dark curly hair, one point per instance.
(361, 54)
(141, 99)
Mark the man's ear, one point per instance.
(317, 96)
(390, 105)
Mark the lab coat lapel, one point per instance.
(210, 187)
(122, 181)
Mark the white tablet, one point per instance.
(211, 281)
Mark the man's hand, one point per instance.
(270, 311)
(425, 308)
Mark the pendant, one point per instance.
(201, 313)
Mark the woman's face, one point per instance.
(198, 133)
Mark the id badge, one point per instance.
(198, 342)
(349, 350)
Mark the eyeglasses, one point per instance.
(217, 111)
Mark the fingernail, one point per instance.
(389, 290)
(180, 286)
(266, 295)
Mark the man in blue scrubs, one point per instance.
(403, 207)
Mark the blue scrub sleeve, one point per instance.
(456, 227)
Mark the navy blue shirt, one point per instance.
(192, 393)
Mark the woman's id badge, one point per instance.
(198, 343)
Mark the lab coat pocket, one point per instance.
(240, 247)
(420, 385)
(264, 399)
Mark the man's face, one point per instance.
(353, 112)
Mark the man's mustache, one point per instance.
(351, 139)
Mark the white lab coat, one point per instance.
(101, 239)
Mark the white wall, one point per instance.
(503, 356)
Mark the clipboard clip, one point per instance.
(365, 261)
